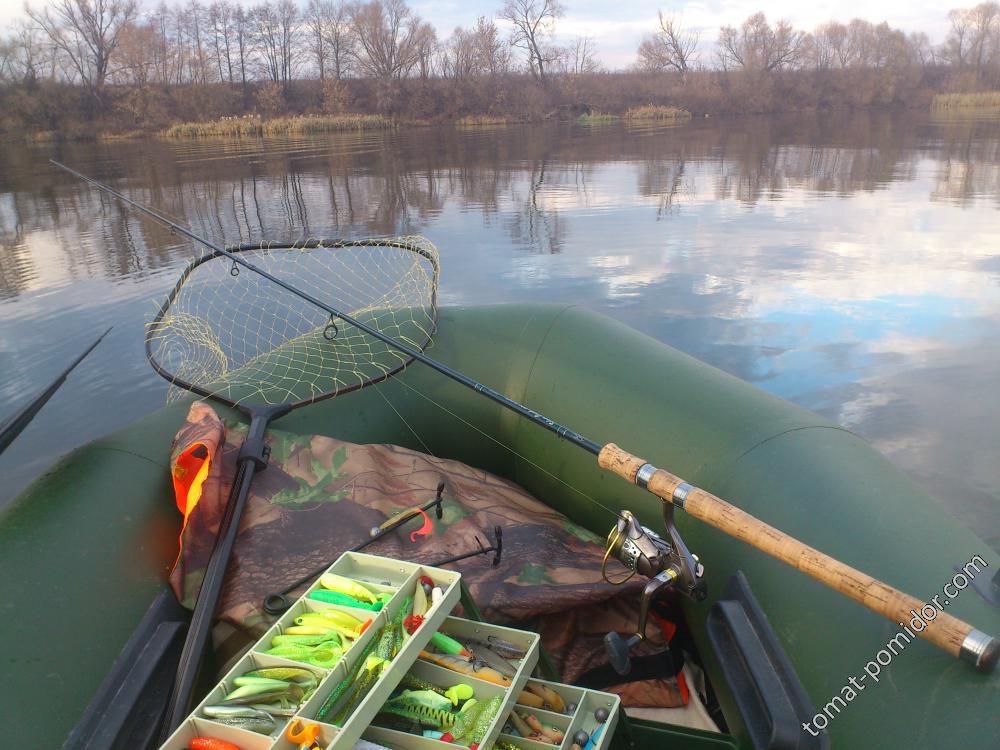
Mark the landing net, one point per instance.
(227, 332)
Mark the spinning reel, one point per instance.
(666, 562)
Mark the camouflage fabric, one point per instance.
(320, 496)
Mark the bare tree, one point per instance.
(318, 16)
(388, 36)
(757, 45)
(492, 52)
(22, 54)
(242, 38)
(425, 48)
(220, 19)
(458, 56)
(276, 28)
(581, 56)
(921, 50)
(959, 35)
(134, 59)
(534, 23)
(86, 32)
(984, 21)
(339, 39)
(670, 47)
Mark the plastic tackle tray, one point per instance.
(379, 574)
(587, 702)
(462, 631)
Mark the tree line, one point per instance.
(108, 59)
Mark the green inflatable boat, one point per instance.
(86, 549)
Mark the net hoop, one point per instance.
(404, 243)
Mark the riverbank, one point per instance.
(50, 109)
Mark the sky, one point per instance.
(618, 26)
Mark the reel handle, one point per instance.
(618, 651)
(947, 632)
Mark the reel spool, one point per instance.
(667, 563)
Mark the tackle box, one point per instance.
(463, 631)
(586, 703)
(378, 574)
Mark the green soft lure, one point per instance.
(426, 707)
(448, 645)
(250, 723)
(366, 680)
(458, 693)
(333, 699)
(344, 600)
(306, 640)
(487, 714)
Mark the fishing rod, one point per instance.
(14, 425)
(947, 632)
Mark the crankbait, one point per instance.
(474, 668)
(342, 585)
(506, 649)
(483, 652)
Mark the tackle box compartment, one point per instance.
(586, 703)
(380, 574)
(464, 630)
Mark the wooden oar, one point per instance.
(946, 632)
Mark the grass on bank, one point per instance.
(594, 118)
(474, 121)
(975, 100)
(656, 113)
(239, 127)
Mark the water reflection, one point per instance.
(846, 262)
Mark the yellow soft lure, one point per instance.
(346, 586)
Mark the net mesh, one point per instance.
(228, 332)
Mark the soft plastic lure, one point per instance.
(210, 743)
(337, 693)
(447, 644)
(343, 585)
(425, 530)
(344, 600)
(426, 707)
(486, 716)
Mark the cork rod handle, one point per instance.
(946, 632)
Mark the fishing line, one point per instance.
(508, 448)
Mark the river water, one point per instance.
(849, 263)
